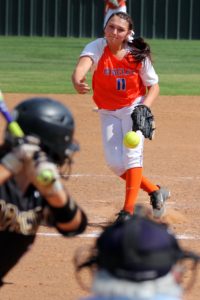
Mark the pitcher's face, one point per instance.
(116, 30)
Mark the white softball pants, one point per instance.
(114, 125)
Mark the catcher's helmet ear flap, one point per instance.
(52, 122)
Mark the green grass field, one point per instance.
(45, 65)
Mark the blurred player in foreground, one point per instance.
(25, 200)
(136, 260)
(113, 6)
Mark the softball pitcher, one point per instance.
(25, 200)
(124, 81)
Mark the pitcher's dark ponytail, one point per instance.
(140, 49)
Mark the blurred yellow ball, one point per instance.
(131, 139)
(45, 177)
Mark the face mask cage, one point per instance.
(66, 168)
(63, 161)
(85, 266)
(185, 272)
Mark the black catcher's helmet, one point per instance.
(52, 122)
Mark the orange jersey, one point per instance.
(117, 83)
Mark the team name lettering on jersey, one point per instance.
(118, 72)
(25, 222)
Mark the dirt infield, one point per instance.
(171, 160)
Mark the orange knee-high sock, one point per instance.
(133, 182)
(148, 186)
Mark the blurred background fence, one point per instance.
(165, 19)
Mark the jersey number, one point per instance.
(121, 84)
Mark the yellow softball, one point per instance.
(131, 139)
(45, 177)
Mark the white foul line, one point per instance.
(176, 178)
(96, 234)
(54, 234)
